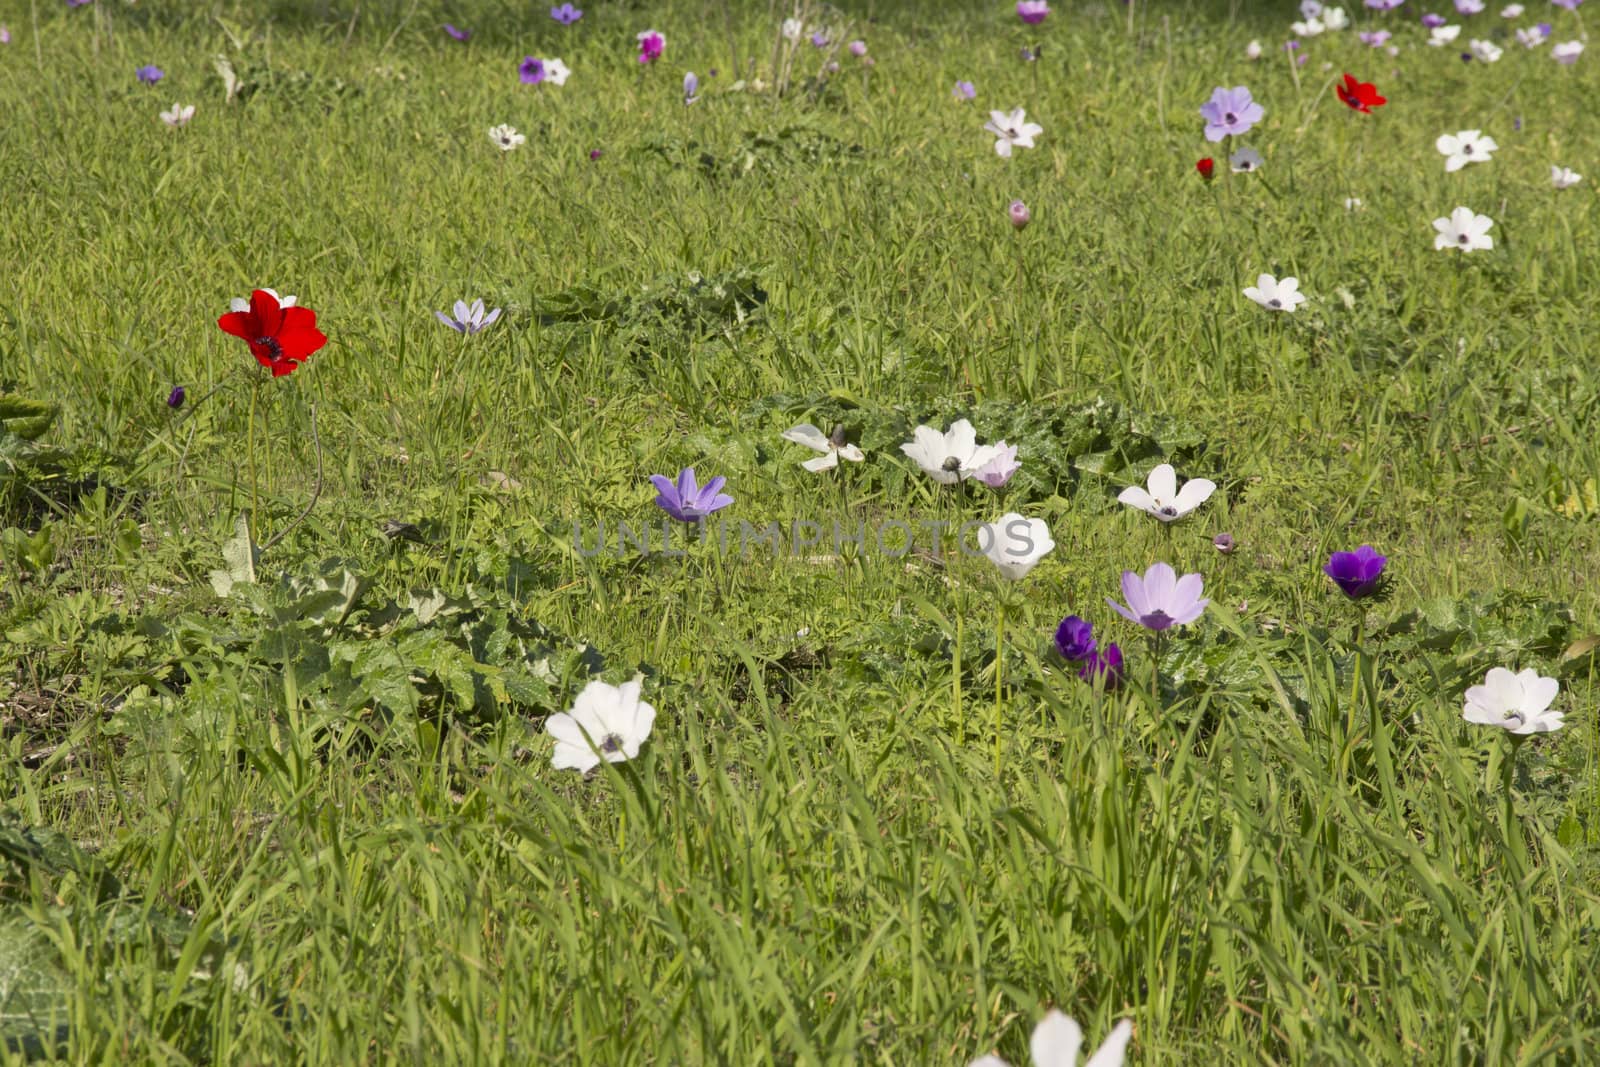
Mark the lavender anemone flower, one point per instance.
(1570, 5)
(1019, 214)
(566, 14)
(469, 320)
(1230, 111)
(1357, 573)
(150, 74)
(691, 87)
(1432, 21)
(1375, 39)
(457, 33)
(858, 48)
(531, 70)
(964, 91)
(998, 471)
(1075, 639)
(1033, 12)
(1384, 5)
(687, 501)
(1160, 600)
(819, 39)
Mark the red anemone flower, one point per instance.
(279, 337)
(1363, 96)
(1206, 167)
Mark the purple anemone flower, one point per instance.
(176, 397)
(691, 88)
(1104, 665)
(687, 501)
(819, 39)
(1033, 12)
(150, 74)
(594, 154)
(964, 91)
(858, 48)
(1075, 639)
(456, 32)
(1570, 5)
(531, 70)
(1160, 600)
(1376, 39)
(1433, 21)
(1230, 112)
(1356, 573)
(1384, 5)
(566, 14)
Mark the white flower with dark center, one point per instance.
(556, 72)
(1334, 18)
(949, 457)
(1465, 230)
(1468, 146)
(1275, 295)
(178, 116)
(1519, 703)
(1483, 51)
(793, 29)
(1440, 36)
(1012, 130)
(506, 137)
(1056, 1041)
(1245, 160)
(1564, 177)
(607, 722)
(832, 446)
(1162, 498)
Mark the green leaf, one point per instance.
(240, 556)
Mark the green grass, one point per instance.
(322, 826)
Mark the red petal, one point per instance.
(300, 341)
(240, 324)
(283, 367)
(269, 316)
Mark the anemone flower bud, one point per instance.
(1019, 214)
(175, 398)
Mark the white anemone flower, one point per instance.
(1511, 11)
(1567, 52)
(1483, 51)
(607, 722)
(949, 457)
(1312, 27)
(242, 303)
(1252, 51)
(792, 29)
(833, 448)
(1465, 229)
(506, 137)
(556, 72)
(1334, 18)
(1245, 160)
(179, 115)
(1531, 38)
(1519, 703)
(1276, 295)
(1440, 36)
(1564, 177)
(1468, 146)
(1012, 130)
(1056, 1041)
(1015, 544)
(1162, 498)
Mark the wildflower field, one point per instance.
(647, 532)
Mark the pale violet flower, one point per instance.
(1468, 146)
(1230, 112)
(1531, 38)
(1275, 295)
(1465, 229)
(1056, 1041)
(468, 319)
(1162, 497)
(1012, 130)
(1245, 160)
(948, 457)
(606, 722)
(1567, 52)
(1160, 600)
(1484, 51)
(1469, 7)
(999, 470)
(556, 72)
(1564, 177)
(1440, 36)
(1519, 703)
(506, 137)
(1310, 9)
(1015, 544)
(179, 115)
(832, 446)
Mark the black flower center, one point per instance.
(1169, 511)
(1463, 239)
(1229, 119)
(951, 464)
(1466, 150)
(271, 345)
(611, 743)
(1274, 303)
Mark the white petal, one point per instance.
(1194, 493)
(1055, 1041)
(1163, 484)
(1115, 1047)
(808, 435)
(1135, 497)
(826, 461)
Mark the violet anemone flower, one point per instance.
(686, 500)
(1103, 665)
(468, 320)
(1357, 573)
(964, 91)
(691, 88)
(1230, 111)
(1033, 12)
(530, 70)
(1160, 600)
(1075, 639)
(150, 74)
(457, 33)
(566, 14)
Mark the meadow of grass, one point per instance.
(315, 819)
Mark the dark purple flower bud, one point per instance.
(1019, 214)
(1075, 639)
(594, 153)
(1105, 666)
(175, 398)
(1356, 573)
